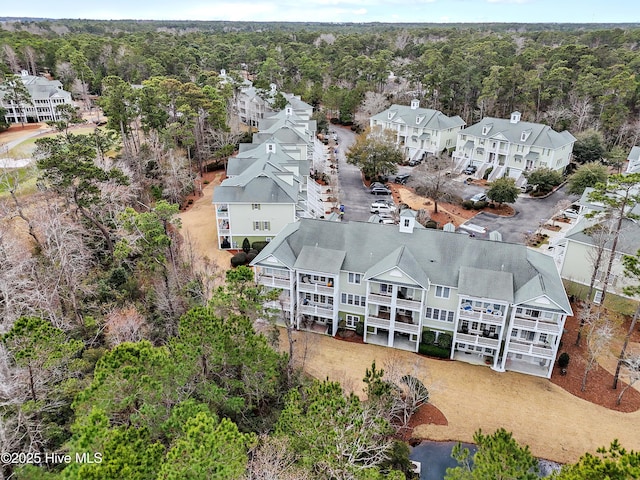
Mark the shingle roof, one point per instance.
(438, 256)
(540, 135)
(430, 119)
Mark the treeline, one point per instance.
(567, 77)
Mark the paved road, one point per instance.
(353, 194)
(530, 213)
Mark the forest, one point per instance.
(117, 339)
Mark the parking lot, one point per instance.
(530, 212)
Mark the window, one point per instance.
(439, 314)
(255, 206)
(442, 292)
(351, 299)
(406, 222)
(355, 278)
(526, 335)
(543, 338)
(262, 226)
(351, 320)
(386, 288)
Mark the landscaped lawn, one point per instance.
(26, 178)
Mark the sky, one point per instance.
(426, 11)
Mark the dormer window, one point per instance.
(415, 104)
(419, 120)
(524, 135)
(271, 148)
(389, 115)
(486, 129)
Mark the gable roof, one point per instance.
(427, 255)
(429, 119)
(536, 134)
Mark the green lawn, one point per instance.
(26, 177)
(615, 303)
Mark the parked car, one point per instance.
(479, 197)
(377, 184)
(382, 207)
(402, 178)
(414, 161)
(570, 213)
(470, 170)
(380, 191)
(526, 188)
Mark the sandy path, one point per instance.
(199, 225)
(555, 424)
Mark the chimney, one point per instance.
(415, 104)
(24, 73)
(515, 117)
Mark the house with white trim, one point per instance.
(505, 307)
(45, 95)
(418, 131)
(511, 147)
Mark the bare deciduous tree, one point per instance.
(433, 179)
(632, 368)
(599, 335)
(272, 459)
(125, 324)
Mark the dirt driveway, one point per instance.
(555, 424)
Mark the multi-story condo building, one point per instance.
(504, 304)
(512, 147)
(419, 131)
(45, 95)
(270, 182)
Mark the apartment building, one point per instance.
(511, 147)
(419, 131)
(504, 304)
(45, 95)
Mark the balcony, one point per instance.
(537, 325)
(315, 288)
(320, 310)
(494, 317)
(406, 328)
(539, 350)
(222, 211)
(408, 304)
(477, 340)
(379, 322)
(274, 281)
(379, 299)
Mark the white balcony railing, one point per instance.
(319, 310)
(222, 212)
(494, 318)
(408, 304)
(378, 322)
(406, 327)
(379, 299)
(477, 340)
(528, 348)
(273, 281)
(315, 288)
(533, 325)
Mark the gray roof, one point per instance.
(405, 261)
(430, 119)
(427, 255)
(628, 240)
(483, 283)
(41, 88)
(540, 135)
(634, 160)
(318, 259)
